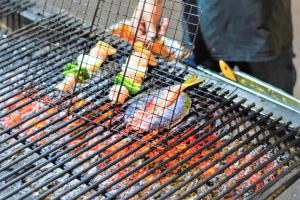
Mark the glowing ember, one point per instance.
(145, 147)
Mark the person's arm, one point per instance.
(147, 17)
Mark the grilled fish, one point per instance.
(162, 108)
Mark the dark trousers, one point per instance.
(279, 72)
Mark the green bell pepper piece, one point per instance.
(133, 88)
(74, 69)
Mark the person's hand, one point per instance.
(146, 20)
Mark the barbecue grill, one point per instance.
(75, 145)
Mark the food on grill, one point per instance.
(92, 63)
(124, 30)
(220, 163)
(138, 59)
(131, 77)
(108, 49)
(73, 73)
(102, 50)
(168, 48)
(133, 88)
(80, 72)
(136, 68)
(118, 94)
(140, 47)
(98, 53)
(133, 73)
(67, 84)
(86, 64)
(161, 108)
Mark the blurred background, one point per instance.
(296, 20)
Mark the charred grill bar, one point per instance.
(9, 7)
(70, 146)
(10, 19)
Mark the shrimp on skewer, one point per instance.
(67, 84)
(131, 77)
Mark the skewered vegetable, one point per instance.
(90, 62)
(80, 73)
(118, 94)
(133, 88)
(132, 74)
(67, 84)
(138, 59)
(108, 49)
(98, 53)
(140, 47)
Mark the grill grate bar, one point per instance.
(27, 30)
(213, 97)
(42, 33)
(193, 165)
(18, 92)
(6, 113)
(11, 7)
(60, 50)
(54, 62)
(280, 176)
(32, 125)
(252, 160)
(56, 70)
(37, 131)
(4, 99)
(29, 53)
(37, 167)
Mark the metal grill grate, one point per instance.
(222, 149)
(10, 7)
(10, 10)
